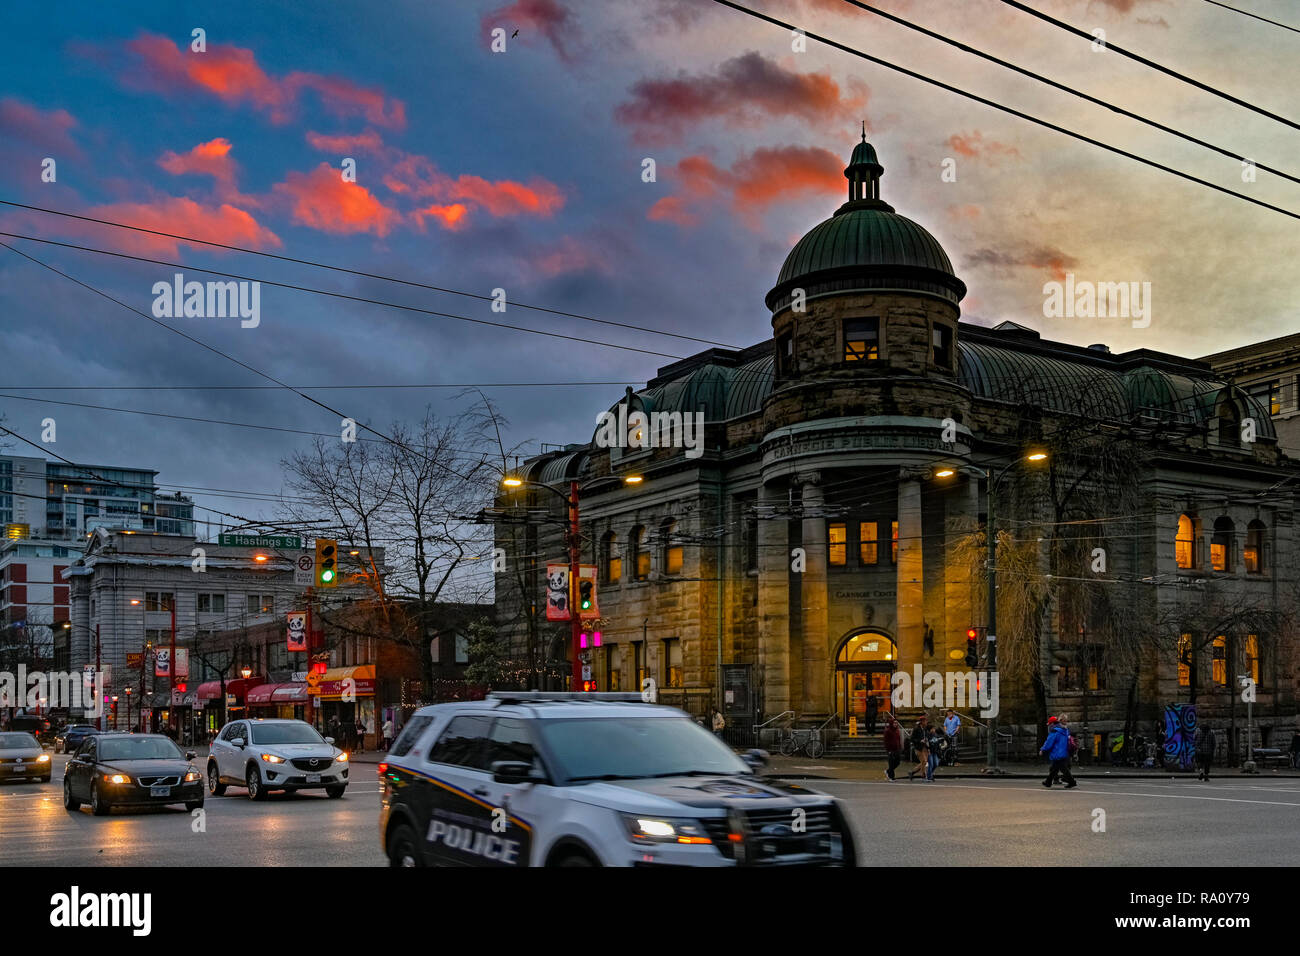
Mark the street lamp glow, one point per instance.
(511, 481)
(245, 672)
(944, 473)
(633, 479)
(1036, 456)
(259, 558)
(134, 601)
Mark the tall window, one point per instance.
(893, 544)
(751, 542)
(941, 346)
(1229, 424)
(159, 600)
(613, 563)
(1252, 656)
(1219, 673)
(784, 355)
(672, 551)
(1185, 660)
(867, 547)
(640, 555)
(861, 340)
(211, 604)
(1253, 555)
(1268, 394)
(613, 667)
(1221, 545)
(638, 663)
(839, 544)
(673, 662)
(1185, 542)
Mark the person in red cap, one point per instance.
(1057, 748)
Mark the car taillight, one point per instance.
(383, 769)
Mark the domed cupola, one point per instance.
(866, 246)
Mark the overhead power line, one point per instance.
(1055, 127)
(1247, 13)
(355, 272)
(1024, 7)
(1069, 89)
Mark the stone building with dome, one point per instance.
(832, 532)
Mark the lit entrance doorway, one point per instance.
(863, 670)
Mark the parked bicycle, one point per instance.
(809, 741)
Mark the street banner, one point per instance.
(297, 621)
(162, 662)
(182, 667)
(557, 592)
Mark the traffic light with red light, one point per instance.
(972, 651)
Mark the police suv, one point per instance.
(558, 779)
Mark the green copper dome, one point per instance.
(866, 245)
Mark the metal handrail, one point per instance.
(822, 725)
(780, 716)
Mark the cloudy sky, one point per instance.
(522, 170)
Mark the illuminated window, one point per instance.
(1185, 542)
(861, 340)
(673, 662)
(640, 556)
(867, 550)
(1252, 656)
(893, 546)
(614, 667)
(1185, 660)
(672, 552)
(1219, 673)
(1221, 545)
(839, 544)
(1253, 555)
(611, 558)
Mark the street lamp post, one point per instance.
(575, 559)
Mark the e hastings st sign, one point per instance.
(283, 542)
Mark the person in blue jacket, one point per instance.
(1057, 748)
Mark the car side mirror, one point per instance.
(190, 755)
(757, 759)
(512, 771)
(238, 742)
(329, 740)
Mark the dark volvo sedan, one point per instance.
(113, 770)
(21, 758)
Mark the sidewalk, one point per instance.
(832, 769)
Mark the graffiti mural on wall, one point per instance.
(1180, 735)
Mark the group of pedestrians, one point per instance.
(348, 735)
(928, 743)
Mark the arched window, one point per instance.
(1185, 542)
(672, 551)
(1185, 660)
(1252, 656)
(1219, 672)
(1229, 424)
(1221, 544)
(611, 559)
(1253, 555)
(639, 555)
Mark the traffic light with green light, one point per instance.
(327, 563)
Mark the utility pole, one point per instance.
(991, 633)
(171, 673)
(99, 669)
(575, 615)
(309, 711)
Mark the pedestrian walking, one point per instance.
(920, 745)
(873, 709)
(893, 744)
(1295, 748)
(1160, 743)
(932, 762)
(388, 734)
(951, 727)
(361, 736)
(719, 722)
(1057, 748)
(1205, 744)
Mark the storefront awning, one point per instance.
(267, 695)
(260, 694)
(211, 690)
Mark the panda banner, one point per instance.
(557, 592)
(297, 633)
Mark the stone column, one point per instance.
(774, 637)
(816, 677)
(911, 612)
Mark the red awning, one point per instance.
(290, 694)
(211, 690)
(260, 694)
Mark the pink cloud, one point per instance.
(532, 18)
(973, 146)
(367, 142)
(322, 200)
(449, 217)
(49, 130)
(182, 216)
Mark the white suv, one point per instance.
(265, 755)
(540, 779)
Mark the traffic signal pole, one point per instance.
(575, 614)
(991, 633)
(171, 676)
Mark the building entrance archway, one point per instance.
(864, 668)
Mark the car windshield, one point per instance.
(138, 748)
(17, 741)
(613, 748)
(285, 734)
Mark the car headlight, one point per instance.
(192, 775)
(116, 778)
(272, 758)
(342, 757)
(43, 758)
(649, 829)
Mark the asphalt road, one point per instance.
(1232, 821)
(303, 829)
